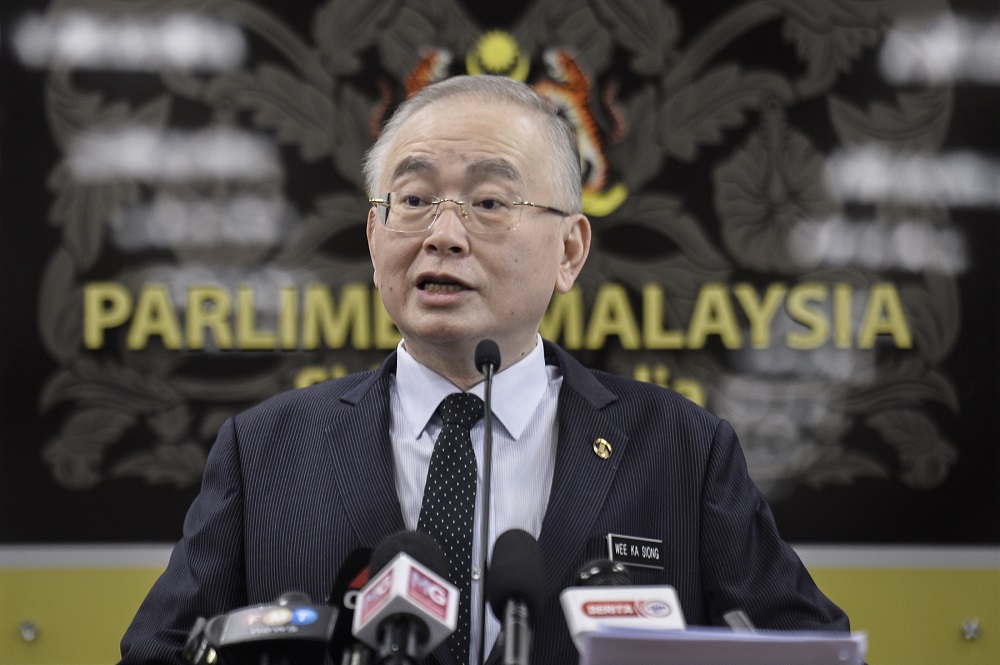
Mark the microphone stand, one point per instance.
(487, 367)
(484, 524)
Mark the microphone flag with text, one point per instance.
(605, 597)
(408, 606)
(290, 631)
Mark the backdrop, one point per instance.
(795, 211)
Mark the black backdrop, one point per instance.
(690, 103)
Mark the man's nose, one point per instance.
(458, 206)
(448, 231)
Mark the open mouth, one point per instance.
(438, 286)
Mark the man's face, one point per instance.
(446, 288)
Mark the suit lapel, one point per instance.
(582, 479)
(358, 439)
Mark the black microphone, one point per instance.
(416, 544)
(351, 577)
(604, 596)
(487, 362)
(407, 607)
(290, 631)
(603, 572)
(487, 357)
(515, 586)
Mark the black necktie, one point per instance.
(448, 510)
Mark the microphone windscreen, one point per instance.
(416, 544)
(517, 572)
(487, 353)
(603, 572)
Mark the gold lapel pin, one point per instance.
(602, 448)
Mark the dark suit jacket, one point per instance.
(295, 484)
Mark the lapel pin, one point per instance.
(602, 448)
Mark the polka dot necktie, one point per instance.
(448, 510)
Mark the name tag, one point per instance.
(632, 551)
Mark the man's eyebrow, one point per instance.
(414, 165)
(496, 167)
(491, 168)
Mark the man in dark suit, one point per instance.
(475, 223)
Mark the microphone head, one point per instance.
(407, 593)
(603, 572)
(517, 572)
(487, 354)
(416, 544)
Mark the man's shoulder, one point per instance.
(605, 389)
(632, 393)
(660, 423)
(316, 399)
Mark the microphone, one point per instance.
(515, 586)
(487, 360)
(290, 631)
(604, 597)
(487, 357)
(407, 607)
(351, 577)
(603, 572)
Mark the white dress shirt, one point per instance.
(525, 400)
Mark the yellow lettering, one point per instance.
(323, 319)
(884, 315)
(208, 307)
(247, 335)
(307, 376)
(154, 315)
(653, 334)
(658, 374)
(288, 311)
(105, 305)
(564, 317)
(612, 315)
(691, 389)
(386, 334)
(713, 315)
(842, 315)
(760, 314)
(816, 322)
(825, 313)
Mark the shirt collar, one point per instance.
(516, 390)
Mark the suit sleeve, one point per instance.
(746, 565)
(205, 575)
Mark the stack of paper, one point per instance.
(708, 646)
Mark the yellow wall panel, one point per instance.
(912, 616)
(80, 613)
(915, 616)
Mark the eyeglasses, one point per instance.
(415, 213)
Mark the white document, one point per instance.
(709, 646)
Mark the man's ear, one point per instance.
(370, 233)
(370, 227)
(576, 248)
